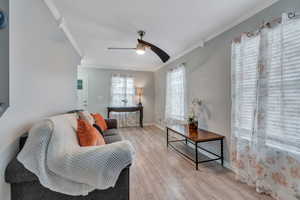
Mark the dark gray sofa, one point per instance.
(26, 186)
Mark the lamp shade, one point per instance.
(139, 91)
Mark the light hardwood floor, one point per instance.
(159, 173)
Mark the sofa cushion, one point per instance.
(110, 132)
(88, 135)
(112, 139)
(111, 123)
(100, 121)
(85, 115)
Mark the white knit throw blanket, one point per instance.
(53, 154)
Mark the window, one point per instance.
(122, 90)
(283, 87)
(245, 61)
(175, 95)
(266, 86)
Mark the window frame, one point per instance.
(123, 93)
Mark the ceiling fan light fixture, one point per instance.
(140, 49)
(142, 45)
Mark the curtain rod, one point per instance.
(268, 24)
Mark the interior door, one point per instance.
(82, 91)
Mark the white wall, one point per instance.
(42, 75)
(99, 81)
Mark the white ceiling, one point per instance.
(176, 26)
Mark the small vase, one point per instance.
(193, 126)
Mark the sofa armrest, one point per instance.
(111, 123)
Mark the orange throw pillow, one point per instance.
(100, 121)
(88, 135)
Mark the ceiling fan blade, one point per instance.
(162, 54)
(116, 48)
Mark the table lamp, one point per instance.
(139, 93)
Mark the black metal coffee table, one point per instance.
(195, 137)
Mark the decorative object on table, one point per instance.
(3, 19)
(139, 93)
(125, 101)
(194, 113)
(193, 123)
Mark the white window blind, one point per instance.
(176, 94)
(283, 86)
(266, 98)
(122, 90)
(244, 67)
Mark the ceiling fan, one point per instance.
(143, 45)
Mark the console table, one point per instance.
(195, 137)
(127, 109)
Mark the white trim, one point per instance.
(62, 24)
(148, 124)
(53, 9)
(195, 46)
(159, 126)
(201, 43)
(95, 66)
(223, 30)
(248, 15)
(67, 32)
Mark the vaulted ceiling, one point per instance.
(176, 26)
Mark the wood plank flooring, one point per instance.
(159, 173)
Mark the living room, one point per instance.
(200, 100)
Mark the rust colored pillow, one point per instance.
(100, 121)
(88, 135)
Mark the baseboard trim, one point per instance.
(149, 124)
(159, 126)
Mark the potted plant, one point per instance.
(194, 112)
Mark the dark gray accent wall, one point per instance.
(4, 61)
(209, 73)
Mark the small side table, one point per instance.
(195, 137)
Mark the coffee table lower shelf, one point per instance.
(193, 154)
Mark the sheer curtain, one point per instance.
(123, 94)
(175, 110)
(266, 110)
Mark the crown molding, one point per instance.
(241, 19)
(62, 24)
(53, 9)
(129, 68)
(201, 44)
